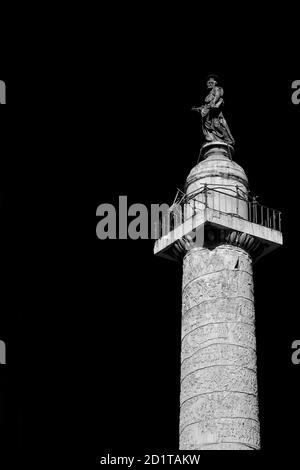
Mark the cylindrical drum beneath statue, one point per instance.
(217, 183)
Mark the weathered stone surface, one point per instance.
(217, 405)
(218, 373)
(237, 309)
(220, 284)
(219, 354)
(227, 446)
(201, 262)
(218, 378)
(233, 430)
(238, 333)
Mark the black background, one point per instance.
(14, 273)
(10, 373)
(104, 340)
(148, 142)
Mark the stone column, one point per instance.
(219, 404)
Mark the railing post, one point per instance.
(280, 221)
(205, 194)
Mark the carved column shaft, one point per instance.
(219, 405)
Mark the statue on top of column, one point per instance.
(214, 125)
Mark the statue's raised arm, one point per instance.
(214, 125)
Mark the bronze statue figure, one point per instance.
(214, 125)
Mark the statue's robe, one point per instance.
(214, 125)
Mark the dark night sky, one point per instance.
(10, 409)
(150, 142)
(117, 355)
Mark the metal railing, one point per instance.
(233, 202)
